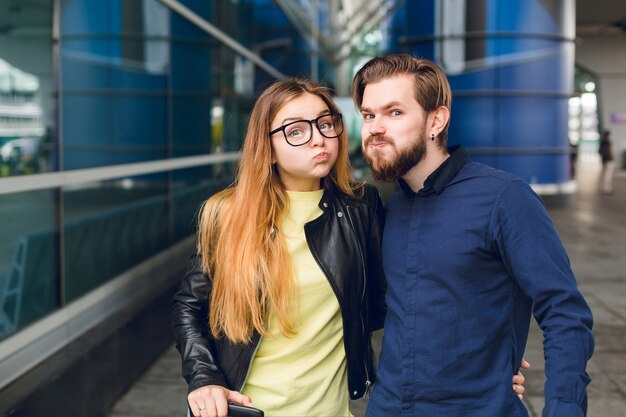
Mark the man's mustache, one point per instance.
(378, 139)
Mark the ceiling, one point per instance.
(600, 17)
(592, 16)
(597, 17)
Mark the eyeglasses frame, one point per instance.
(311, 123)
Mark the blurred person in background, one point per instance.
(608, 164)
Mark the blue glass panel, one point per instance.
(29, 268)
(112, 226)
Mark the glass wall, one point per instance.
(137, 87)
(109, 98)
(27, 89)
(29, 245)
(115, 57)
(29, 258)
(111, 226)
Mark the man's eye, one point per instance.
(396, 113)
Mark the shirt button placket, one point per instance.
(411, 287)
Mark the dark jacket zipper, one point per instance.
(358, 243)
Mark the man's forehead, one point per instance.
(383, 105)
(388, 93)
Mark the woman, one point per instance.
(288, 270)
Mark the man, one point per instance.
(469, 252)
(608, 165)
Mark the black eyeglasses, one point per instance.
(300, 132)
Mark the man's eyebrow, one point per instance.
(385, 107)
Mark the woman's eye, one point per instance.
(294, 133)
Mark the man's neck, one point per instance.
(416, 176)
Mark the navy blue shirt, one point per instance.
(468, 258)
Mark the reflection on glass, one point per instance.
(26, 87)
(119, 48)
(22, 130)
(112, 226)
(29, 280)
(190, 188)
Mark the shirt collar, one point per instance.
(441, 177)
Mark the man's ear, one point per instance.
(439, 119)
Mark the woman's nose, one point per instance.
(316, 137)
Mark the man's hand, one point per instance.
(518, 380)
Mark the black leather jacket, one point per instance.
(345, 242)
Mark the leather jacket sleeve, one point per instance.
(191, 329)
(376, 276)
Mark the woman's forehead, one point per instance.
(306, 106)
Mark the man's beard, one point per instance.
(399, 162)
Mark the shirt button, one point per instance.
(340, 214)
(325, 204)
(355, 393)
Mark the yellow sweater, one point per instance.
(303, 375)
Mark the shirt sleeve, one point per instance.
(535, 257)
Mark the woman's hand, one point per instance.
(212, 401)
(518, 380)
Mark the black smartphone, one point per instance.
(235, 410)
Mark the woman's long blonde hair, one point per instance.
(241, 248)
